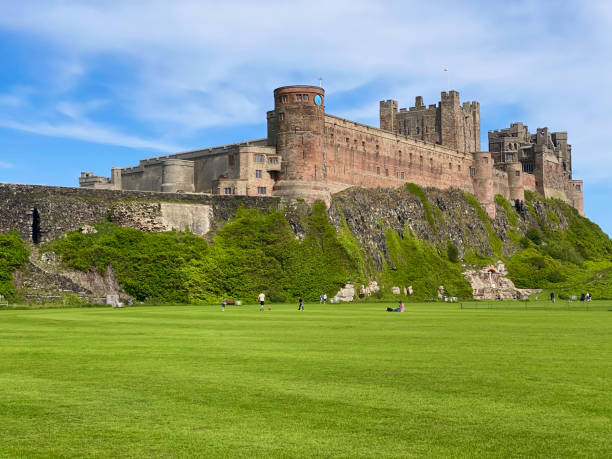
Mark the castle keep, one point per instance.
(309, 154)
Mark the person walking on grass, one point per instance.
(262, 301)
(223, 303)
(552, 296)
(300, 304)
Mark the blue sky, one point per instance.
(85, 85)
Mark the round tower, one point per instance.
(483, 181)
(296, 128)
(515, 181)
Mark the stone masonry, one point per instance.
(309, 154)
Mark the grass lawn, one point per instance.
(333, 380)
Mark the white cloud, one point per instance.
(6, 165)
(179, 68)
(90, 133)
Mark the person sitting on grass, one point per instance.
(398, 309)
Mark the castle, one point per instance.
(309, 154)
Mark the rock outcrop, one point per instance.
(44, 280)
(491, 283)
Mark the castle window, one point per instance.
(258, 173)
(431, 164)
(387, 172)
(281, 116)
(298, 97)
(227, 190)
(458, 167)
(517, 173)
(230, 161)
(363, 145)
(450, 166)
(377, 170)
(261, 190)
(436, 128)
(348, 140)
(259, 158)
(273, 160)
(284, 99)
(402, 175)
(577, 187)
(485, 160)
(305, 96)
(472, 171)
(418, 130)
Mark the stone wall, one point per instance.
(356, 154)
(42, 213)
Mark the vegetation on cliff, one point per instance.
(255, 252)
(13, 254)
(563, 251)
(400, 238)
(418, 264)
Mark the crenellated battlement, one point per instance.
(309, 154)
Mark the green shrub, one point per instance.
(531, 269)
(418, 263)
(452, 252)
(13, 254)
(534, 236)
(255, 252)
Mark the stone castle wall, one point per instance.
(61, 209)
(356, 154)
(310, 155)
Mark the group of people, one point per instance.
(583, 297)
(262, 301)
(261, 298)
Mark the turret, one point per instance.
(482, 180)
(296, 128)
(388, 115)
(515, 181)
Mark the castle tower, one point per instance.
(515, 181)
(296, 128)
(388, 115)
(482, 179)
(459, 125)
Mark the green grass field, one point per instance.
(334, 380)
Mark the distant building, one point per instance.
(309, 154)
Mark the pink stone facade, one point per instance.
(310, 155)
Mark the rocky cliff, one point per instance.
(408, 242)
